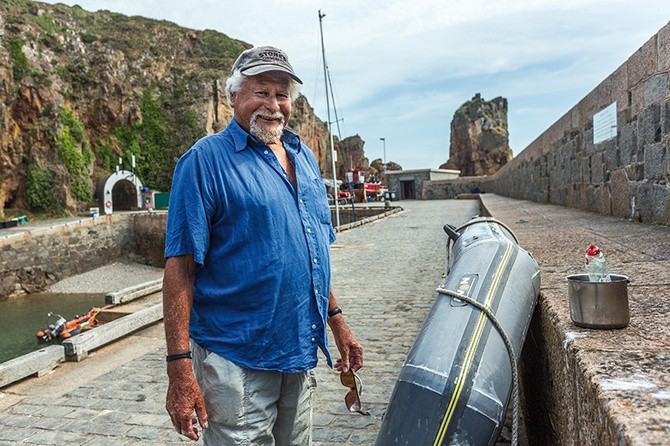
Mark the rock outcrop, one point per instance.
(479, 137)
(351, 156)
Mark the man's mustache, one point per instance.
(268, 116)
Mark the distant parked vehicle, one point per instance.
(343, 197)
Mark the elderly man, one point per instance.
(247, 275)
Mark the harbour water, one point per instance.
(22, 317)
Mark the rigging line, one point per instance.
(332, 95)
(316, 92)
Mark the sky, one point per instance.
(400, 69)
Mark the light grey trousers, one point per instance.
(253, 407)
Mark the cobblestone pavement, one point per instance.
(384, 276)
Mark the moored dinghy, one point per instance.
(456, 383)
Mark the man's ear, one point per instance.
(233, 97)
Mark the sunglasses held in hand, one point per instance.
(353, 398)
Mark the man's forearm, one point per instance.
(177, 302)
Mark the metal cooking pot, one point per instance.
(598, 304)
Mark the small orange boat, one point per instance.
(64, 329)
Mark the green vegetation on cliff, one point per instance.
(39, 187)
(74, 151)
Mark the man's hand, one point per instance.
(183, 398)
(350, 350)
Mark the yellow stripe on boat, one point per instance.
(474, 343)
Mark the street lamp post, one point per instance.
(383, 140)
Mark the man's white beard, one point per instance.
(270, 136)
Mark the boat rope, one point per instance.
(510, 350)
(477, 220)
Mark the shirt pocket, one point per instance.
(318, 199)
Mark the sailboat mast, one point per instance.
(330, 132)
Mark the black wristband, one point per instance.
(185, 355)
(335, 311)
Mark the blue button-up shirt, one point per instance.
(261, 249)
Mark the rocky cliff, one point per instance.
(479, 137)
(81, 90)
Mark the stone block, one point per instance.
(649, 125)
(643, 63)
(586, 142)
(624, 117)
(558, 129)
(571, 196)
(599, 98)
(635, 171)
(644, 201)
(603, 200)
(636, 99)
(572, 171)
(654, 157)
(628, 143)
(552, 193)
(663, 38)
(620, 191)
(581, 193)
(597, 169)
(589, 197)
(619, 88)
(655, 89)
(665, 118)
(611, 156)
(661, 204)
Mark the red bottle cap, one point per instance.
(592, 250)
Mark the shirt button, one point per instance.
(265, 152)
(309, 230)
(313, 326)
(316, 291)
(315, 261)
(313, 339)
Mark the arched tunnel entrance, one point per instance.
(121, 191)
(124, 196)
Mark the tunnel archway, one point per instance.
(121, 191)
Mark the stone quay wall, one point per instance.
(41, 256)
(625, 176)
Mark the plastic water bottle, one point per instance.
(596, 265)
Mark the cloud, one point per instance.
(401, 68)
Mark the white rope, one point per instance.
(510, 350)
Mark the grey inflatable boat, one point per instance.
(457, 381)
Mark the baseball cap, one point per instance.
(263, 59)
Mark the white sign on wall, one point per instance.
(604, 124)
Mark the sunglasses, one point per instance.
(353, 399)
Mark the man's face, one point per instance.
(263, 106)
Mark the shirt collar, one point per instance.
(243, 139)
